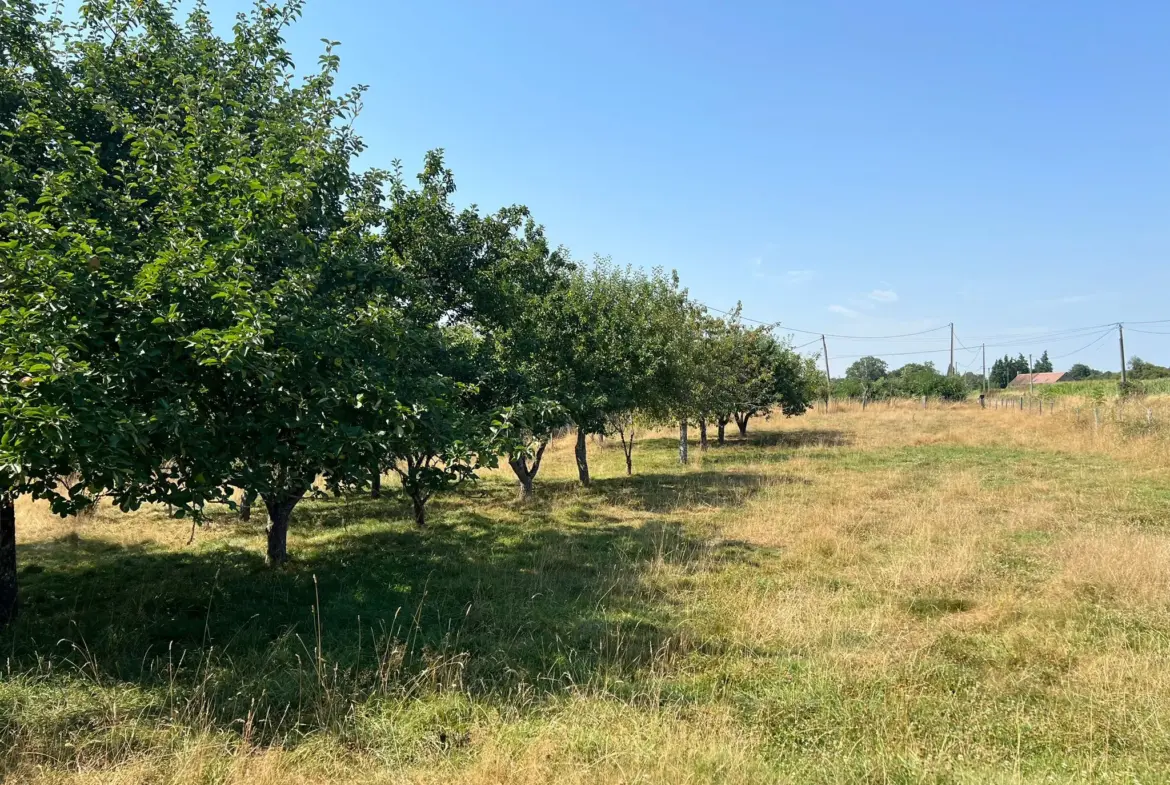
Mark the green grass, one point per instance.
(826, 602)
(1090, 388)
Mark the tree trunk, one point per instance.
(526, 473)
(419, 502)
(280, 509)
(526, 486)
(682, 442)
(703, 434)
(722, 425)
(8, 595)
(628, 448)
(523, 474)
(582, 457)
(246, 507)
(742, 421)
(376, 485)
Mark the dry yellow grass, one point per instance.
(894, 595)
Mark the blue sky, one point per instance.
(854, 167)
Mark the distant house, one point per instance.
(1025, 379)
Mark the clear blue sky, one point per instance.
(856, 167)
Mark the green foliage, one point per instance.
(199, 294)
(1043, 365)
(867, 370)
(751, 373)
(1005, 369)
(1107, 387)
(1140, 370)
(912, 380)
(615, 342)
(972, 381)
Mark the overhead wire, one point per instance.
(1086, 346)
(810, 343)
(1001, 340)
(1013, 337)
(827, 335)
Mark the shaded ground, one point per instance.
(489, 604)
(889, 596)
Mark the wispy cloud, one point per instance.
(841, 309)
(883, 295)
(800, 276)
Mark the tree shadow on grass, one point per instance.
(657, 492)
(486, 607)
(784, 439)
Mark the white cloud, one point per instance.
(755, 261)
(841, 309)
(884, 295)
(800, 276)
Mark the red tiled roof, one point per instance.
(1023, 379)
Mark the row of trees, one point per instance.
(1007, 368)
(1139, 370)
(199, 294)
(870, 378)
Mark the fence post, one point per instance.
(1149, 416)
(924, 402)
(1096, 417)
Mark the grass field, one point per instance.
(1100, 388)
(895, 595)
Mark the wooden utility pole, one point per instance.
(828, 376)
(1121, 343)
(986, 387)
(952, 370)
(1031, 374)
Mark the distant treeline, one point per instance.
(870, 378)
(1007, 368)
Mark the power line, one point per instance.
(975, 350)
(1057, 339)
(1017, 337)
(1095, 341)
(819, 332)
(1013, 339)
(861, 337)
(889, 354)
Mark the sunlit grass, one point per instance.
(895, 595)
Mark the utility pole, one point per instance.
(985, 385)
(951, 371)
(828, 376)
(1031, 375)
(1121, 343)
